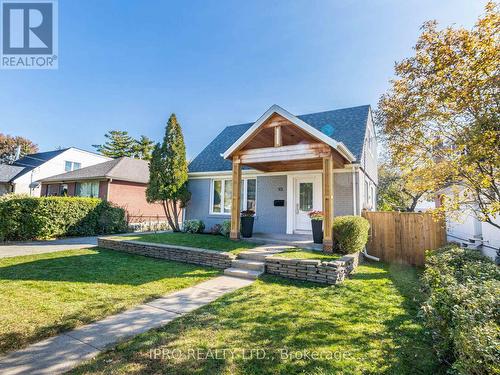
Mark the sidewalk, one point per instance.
(61, 353)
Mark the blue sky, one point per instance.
(128, 64)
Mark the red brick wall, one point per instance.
(132, 197)
(103, 190)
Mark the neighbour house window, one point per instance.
(71, 166)
(63, 190)
(221, 195)
(87, 189)
(374, 203)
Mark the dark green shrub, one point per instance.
(462, 310)
(225, 229)
(350, 233)
(27, 218)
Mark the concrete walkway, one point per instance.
(61, 353)
(15, 249)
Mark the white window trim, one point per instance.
(223, 184)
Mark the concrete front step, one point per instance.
(242, 273)
(248, 264)
(256, 255)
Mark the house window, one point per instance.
(87, 189)
(71, 166)
(63, 190)
(374, 203)
(221, 195)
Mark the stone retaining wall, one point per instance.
(185, 254)
(332, 272)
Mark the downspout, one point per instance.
(354, 198)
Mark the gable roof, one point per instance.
(347, 126)
(124, 169)
(8, 172)
(31, 161)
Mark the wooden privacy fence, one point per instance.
(403, 237)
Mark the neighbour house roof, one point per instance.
(9, 172)
(31, 161)
(124, 169)
(347, 126)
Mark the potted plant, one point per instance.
(247, 218)
(317, 225)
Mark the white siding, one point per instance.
(53, 167)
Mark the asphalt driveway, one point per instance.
(15, 249)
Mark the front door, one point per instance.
(307, 198)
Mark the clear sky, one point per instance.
(128, 64)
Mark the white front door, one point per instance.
(307, 192)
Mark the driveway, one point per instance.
(15, 249)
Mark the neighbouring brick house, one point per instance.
(120, 181)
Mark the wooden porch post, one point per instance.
(328, 203)
(235, 204)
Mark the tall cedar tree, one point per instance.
(143, 148)
(118, 144)
(9, 145)
(168, 173)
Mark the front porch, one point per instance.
(302, 241)
(280, 142)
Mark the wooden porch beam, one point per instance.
(284, 153)
(235, 203)
(328, 203)
(278, 141)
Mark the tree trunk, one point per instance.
(167, 214)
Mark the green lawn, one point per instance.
(204, 241)
(367, 325)
(308, 254)
(42, 295)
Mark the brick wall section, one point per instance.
(332, 272)
(184, 254)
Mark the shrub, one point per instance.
(215, 229)
(28, 218)
(193, 226)
(462, 310)
(225, 229)
(350, 233)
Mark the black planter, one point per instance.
(247, 226)
(317, 227)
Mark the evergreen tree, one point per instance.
(118, 144)
(143, 148)
(168, 172)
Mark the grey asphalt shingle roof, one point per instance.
(124, 168)
(31, 161)
(8, 172)
(347, 125)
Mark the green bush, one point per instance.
(350, 233)
(193, 226)
(28, 218)
(462, 310)
(225, 228)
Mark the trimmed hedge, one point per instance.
(350, 233)
(462, 311)
(28, 218)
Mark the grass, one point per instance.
(203, 241)
(42, 295)
(308, 254)
(367, 325)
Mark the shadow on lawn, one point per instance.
(102, 266)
